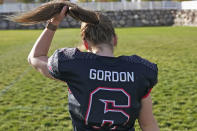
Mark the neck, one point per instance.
(102, 51)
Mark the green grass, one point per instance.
(29, 102)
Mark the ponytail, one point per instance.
(96, 27)
(49, 10)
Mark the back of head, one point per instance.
(102, 32)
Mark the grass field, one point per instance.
(30, 102)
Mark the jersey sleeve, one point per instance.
(150, 72)
(59, 63)
(152, 77)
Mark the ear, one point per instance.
(115, 40)
(85, 44)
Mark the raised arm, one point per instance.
(146, 119)
(38, 56)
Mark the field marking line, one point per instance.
(14, 82)
(40, 108)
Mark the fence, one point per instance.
(110, 6)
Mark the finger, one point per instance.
(64, 10)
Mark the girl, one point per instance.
(106, 92)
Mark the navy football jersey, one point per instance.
(104, 92)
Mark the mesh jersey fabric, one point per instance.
(105, 92)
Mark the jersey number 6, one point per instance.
(106, 106)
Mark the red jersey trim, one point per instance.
(147, 93)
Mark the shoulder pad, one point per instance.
(66, 53)
(74, 53)
(138, 60)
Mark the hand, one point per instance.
(59, 17)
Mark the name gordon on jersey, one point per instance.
(112, 76)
